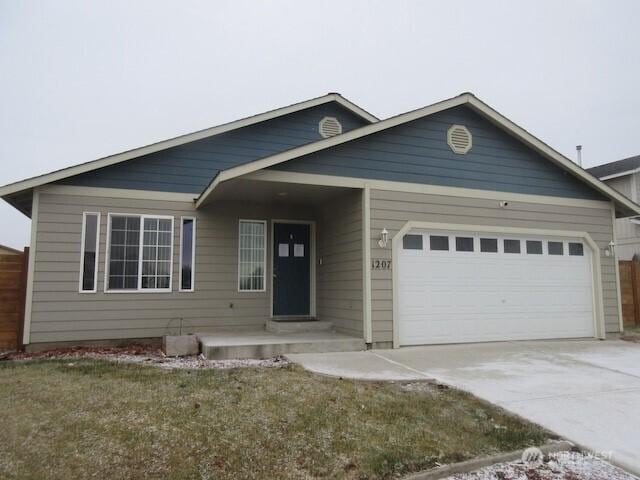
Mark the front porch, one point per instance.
(304, 294)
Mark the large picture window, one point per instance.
(89, 252)
(252, 255)
(140, 253)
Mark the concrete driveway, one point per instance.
(587, 391)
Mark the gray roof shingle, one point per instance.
(618, 166)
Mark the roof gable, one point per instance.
(17, 187)
(188, 168)
(624, 206)
(417, 152)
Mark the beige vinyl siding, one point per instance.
(391, 210)
(627, 239)
(624, 185)
(60, 313)
(627, 232)
(340, 275)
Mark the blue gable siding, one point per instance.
(190, 167)
(418, 152)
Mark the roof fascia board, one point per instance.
(354, 108)
(351, 182)
(620, 174)
(181, 140)
(465, 98)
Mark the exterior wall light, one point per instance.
(611, 249)
(384, 238)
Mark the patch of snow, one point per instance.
(557, 466)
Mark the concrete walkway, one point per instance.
(587, 391)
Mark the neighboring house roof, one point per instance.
(619, 168)
(8, 250)
(466, 99)
(173, 142)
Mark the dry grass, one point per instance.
(92, 418)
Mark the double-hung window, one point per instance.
(252, 255)
(140, 253)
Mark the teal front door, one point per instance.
(291, 269)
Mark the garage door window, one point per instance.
(464, 244)
(555, 248)
(412, 242)
(512, 246)
(576, 249)
(534, 247)
(438, 242)
(489, 245)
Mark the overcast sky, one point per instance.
(82, 80)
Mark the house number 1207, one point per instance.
(380, 264)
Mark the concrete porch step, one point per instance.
(298, 326)
(262, 344)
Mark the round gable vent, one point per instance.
(459, 139)
(329, 127)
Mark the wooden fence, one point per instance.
(630, 291)
(13, 284)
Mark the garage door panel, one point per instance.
(451, 297)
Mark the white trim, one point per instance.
(349, 182)
(616, 267)
(181, 140)
(366, 264)
(619, 174)
(139, 288)
(598, 309)
(312, 264)
(264, 260)
(193, 255)
(82, 252)
(464, 99)
(31, 267)
(117, 193)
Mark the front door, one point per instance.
(291, 269)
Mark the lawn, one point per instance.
(91, 418)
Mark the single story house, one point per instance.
(624, 176)
(445, 224)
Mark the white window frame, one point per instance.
(193, 255)
(95, 272)
(264, 259)
(139, 289)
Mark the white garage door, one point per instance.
(465, 287)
